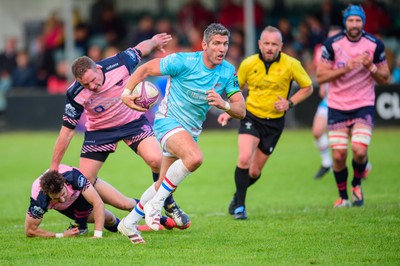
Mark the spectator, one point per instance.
(145, 29)
(111, 28)
(8, 56)
(58, 83)
(285, 27)
(379, 20)
(5, 86)
(194, 15)
(24, 74)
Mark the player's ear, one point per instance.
(203, 45)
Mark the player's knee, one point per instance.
(193, 161)
(244, 161)
(339, 155)
(254, 173)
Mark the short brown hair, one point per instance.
(81, 65)
(52, 182)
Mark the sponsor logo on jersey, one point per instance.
(70, 110)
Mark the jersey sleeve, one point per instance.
(76, 179)
(379, 54)
(172, 64)
(132, 57)
(232, 86)
(72, 112)
(300, 75)
(38, 206)
(242, 73)
(327, 53)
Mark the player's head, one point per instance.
(353, 10)
(270, 43)
(52, 184)
(87, 73)
(215, 44)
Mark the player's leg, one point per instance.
(149, 149)
(360, 140)
(185, 157)
(110, 195)
(319, 128)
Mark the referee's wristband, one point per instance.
(59, 235)
(227, 106)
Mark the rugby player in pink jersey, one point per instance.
(351, 62)
(70, 193)
(96, 93)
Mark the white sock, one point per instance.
(137, 213)
(323, 146)
(176, 173)
(134, 216)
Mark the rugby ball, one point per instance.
(148, 92)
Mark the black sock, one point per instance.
(163, 220)
(82, 223)
(113, 228)
(253, 180)
(341, 182)
(359, 169)
(242, 182)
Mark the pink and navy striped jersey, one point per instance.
(104, 109)
(355, 89)
(75, 183)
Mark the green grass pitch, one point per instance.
(291, 219)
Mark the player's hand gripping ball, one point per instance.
(148, 92)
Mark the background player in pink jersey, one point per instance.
(96, 93)
(351, 62)
(71, 194)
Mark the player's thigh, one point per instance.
(319, 125)
(149, 149)
(90, 168)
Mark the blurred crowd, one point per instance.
(41, 65)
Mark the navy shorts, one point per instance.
(80, 209)
(100, 143)
(338, 119)
(267, 130)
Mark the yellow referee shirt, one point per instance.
(265, 83)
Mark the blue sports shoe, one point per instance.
(240, 213)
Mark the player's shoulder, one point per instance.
(74, 90)
(75, 178)
(372, 38)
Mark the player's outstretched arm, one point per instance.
(61, 146)
(32, 229)
(93, 198)
(158, 42)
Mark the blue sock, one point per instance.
(113, 228)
